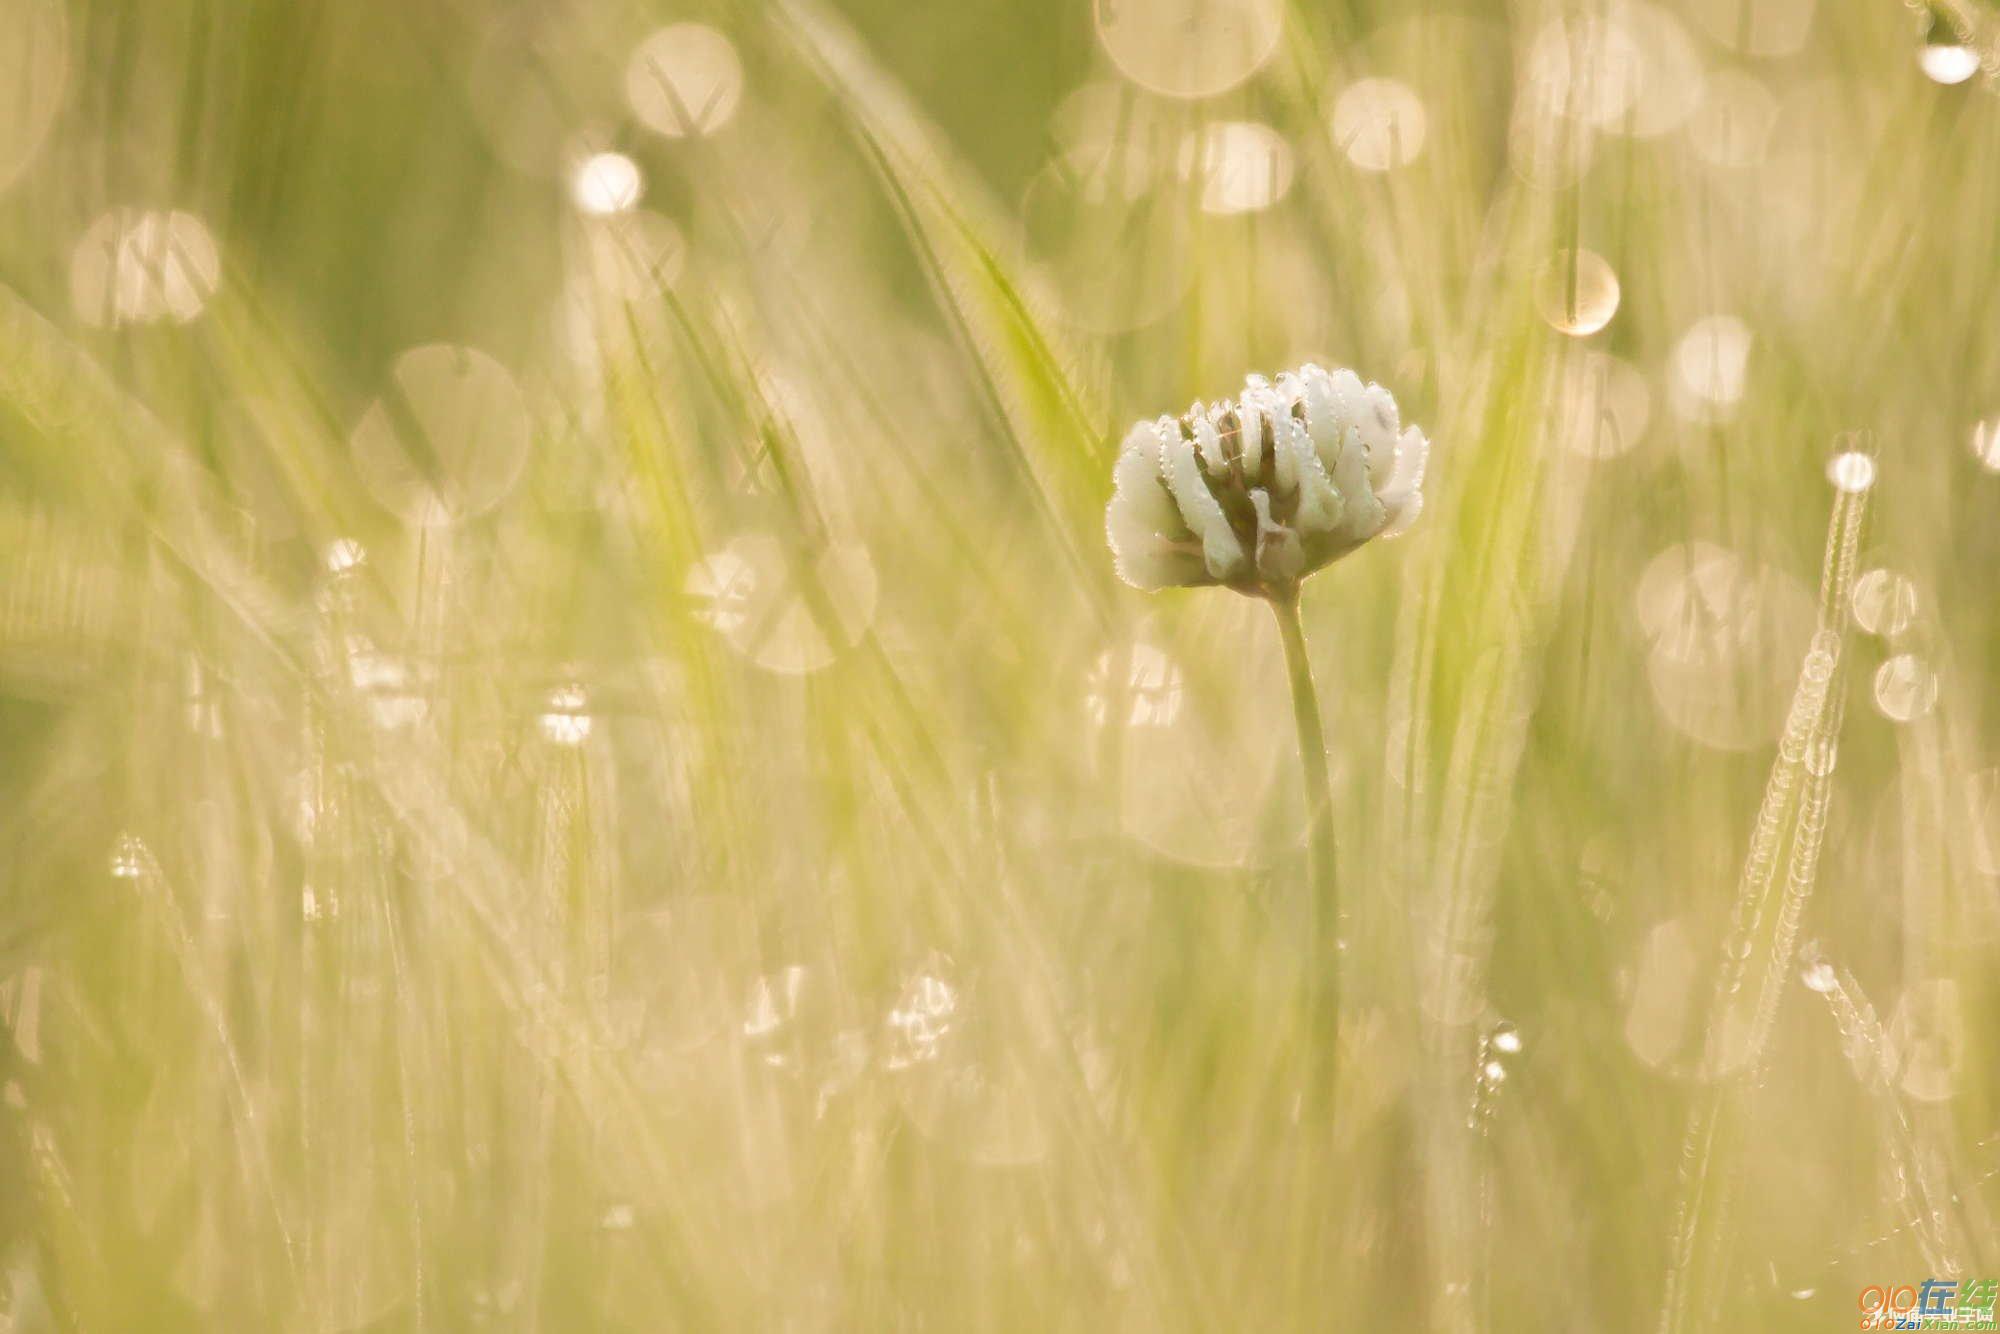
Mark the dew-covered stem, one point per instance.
(1323, 909)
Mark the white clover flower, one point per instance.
(1259, 493)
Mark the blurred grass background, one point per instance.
(571, 758)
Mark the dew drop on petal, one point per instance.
(1189, 48)
(1379, 124)
(684, 80)
(1905, 688)
(1578, 293)
(1884, 602)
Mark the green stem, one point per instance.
(1323, 952)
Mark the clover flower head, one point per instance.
(1258, 493)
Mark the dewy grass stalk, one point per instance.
(1255, 495)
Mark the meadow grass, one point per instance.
(571, 762)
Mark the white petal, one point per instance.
(1284, 461)
(1378, 424)
(1319, 503)
(1252, 425)
(1221, 552)
(1361, 514)
(1279, 555)
(1209, 441)
(1149, 542)
(1405, 515)
(1412, 453)
(1323, 417)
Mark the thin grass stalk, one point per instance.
(1794, 809)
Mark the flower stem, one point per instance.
(1323, 909)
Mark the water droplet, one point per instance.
(1193, 48)
(921, 1020)
(1578, 294)
(344, 554)
(1602, 405)
(1927, 1040)
(1948, 63)
(128, 857)
(1587, 69)
(447, 440)
(1711, 365)
(1733, 126)
(1494, 1072)
(1243, 167)
(1505, 1037)
(774, 1000)
(565, 718)
(140, 267)
(1819, 975)
(1905, 688)
(606, 183)
(752, 594)
(386, 682)
(685, 80)
(1151, 691)
(1851, 471)
(1884, 602)
(1379, 124)
(1986, 444)
(1726, 638)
